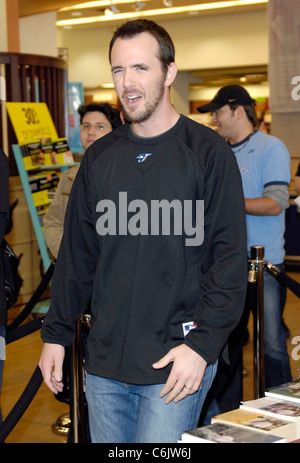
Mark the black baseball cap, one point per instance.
(230, 94)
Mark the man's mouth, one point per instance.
(132, 98)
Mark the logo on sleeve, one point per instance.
(142, 157)
(187, 327)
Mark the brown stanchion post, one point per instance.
(74, 411)
(257, 262)
(77, 409)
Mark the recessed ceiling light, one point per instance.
(138, 6)
(110, 85)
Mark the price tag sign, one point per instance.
(31, 121)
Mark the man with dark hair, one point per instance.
(155, 236)
(264, 163)
(166, 51)
(105, 117)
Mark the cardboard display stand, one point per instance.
(41, 157)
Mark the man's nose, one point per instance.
(214, 118)
(129, 80)
(92, 129)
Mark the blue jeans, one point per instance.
(276, 358)
(128, 413)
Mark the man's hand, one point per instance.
(186, 374)
(50, 364)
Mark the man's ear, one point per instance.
(240, 112)
(171, 74)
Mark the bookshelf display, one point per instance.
(33, 78)
(41, 157)
(38, 207)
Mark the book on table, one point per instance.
(223, 433)
(288, 391)
(259, 422)
(278, 408)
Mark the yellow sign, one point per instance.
(31, 121)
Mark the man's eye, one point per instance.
(116, 71)
(88, 126)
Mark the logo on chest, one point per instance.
(142, 157)
(243, 169)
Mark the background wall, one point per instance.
(38, 34)
(3, 26)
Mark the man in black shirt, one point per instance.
(155, 236)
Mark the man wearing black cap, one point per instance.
(231, 94)
(264, 164)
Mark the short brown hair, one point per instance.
(249, 110)
(132, 28)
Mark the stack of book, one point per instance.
(274, 418)
(37, 154)
(43, 160)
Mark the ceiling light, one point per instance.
(114, 8)
(108, 12)
(110, 85)
(111, 10)
(96, 4)
(168, 2)
(138, 6)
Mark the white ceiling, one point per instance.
(29, 7)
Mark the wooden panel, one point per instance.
(23, 72)
(12, 18)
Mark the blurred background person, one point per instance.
(264, 164)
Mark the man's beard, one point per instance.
(149, 109)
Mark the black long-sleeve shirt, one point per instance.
(144, 287)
